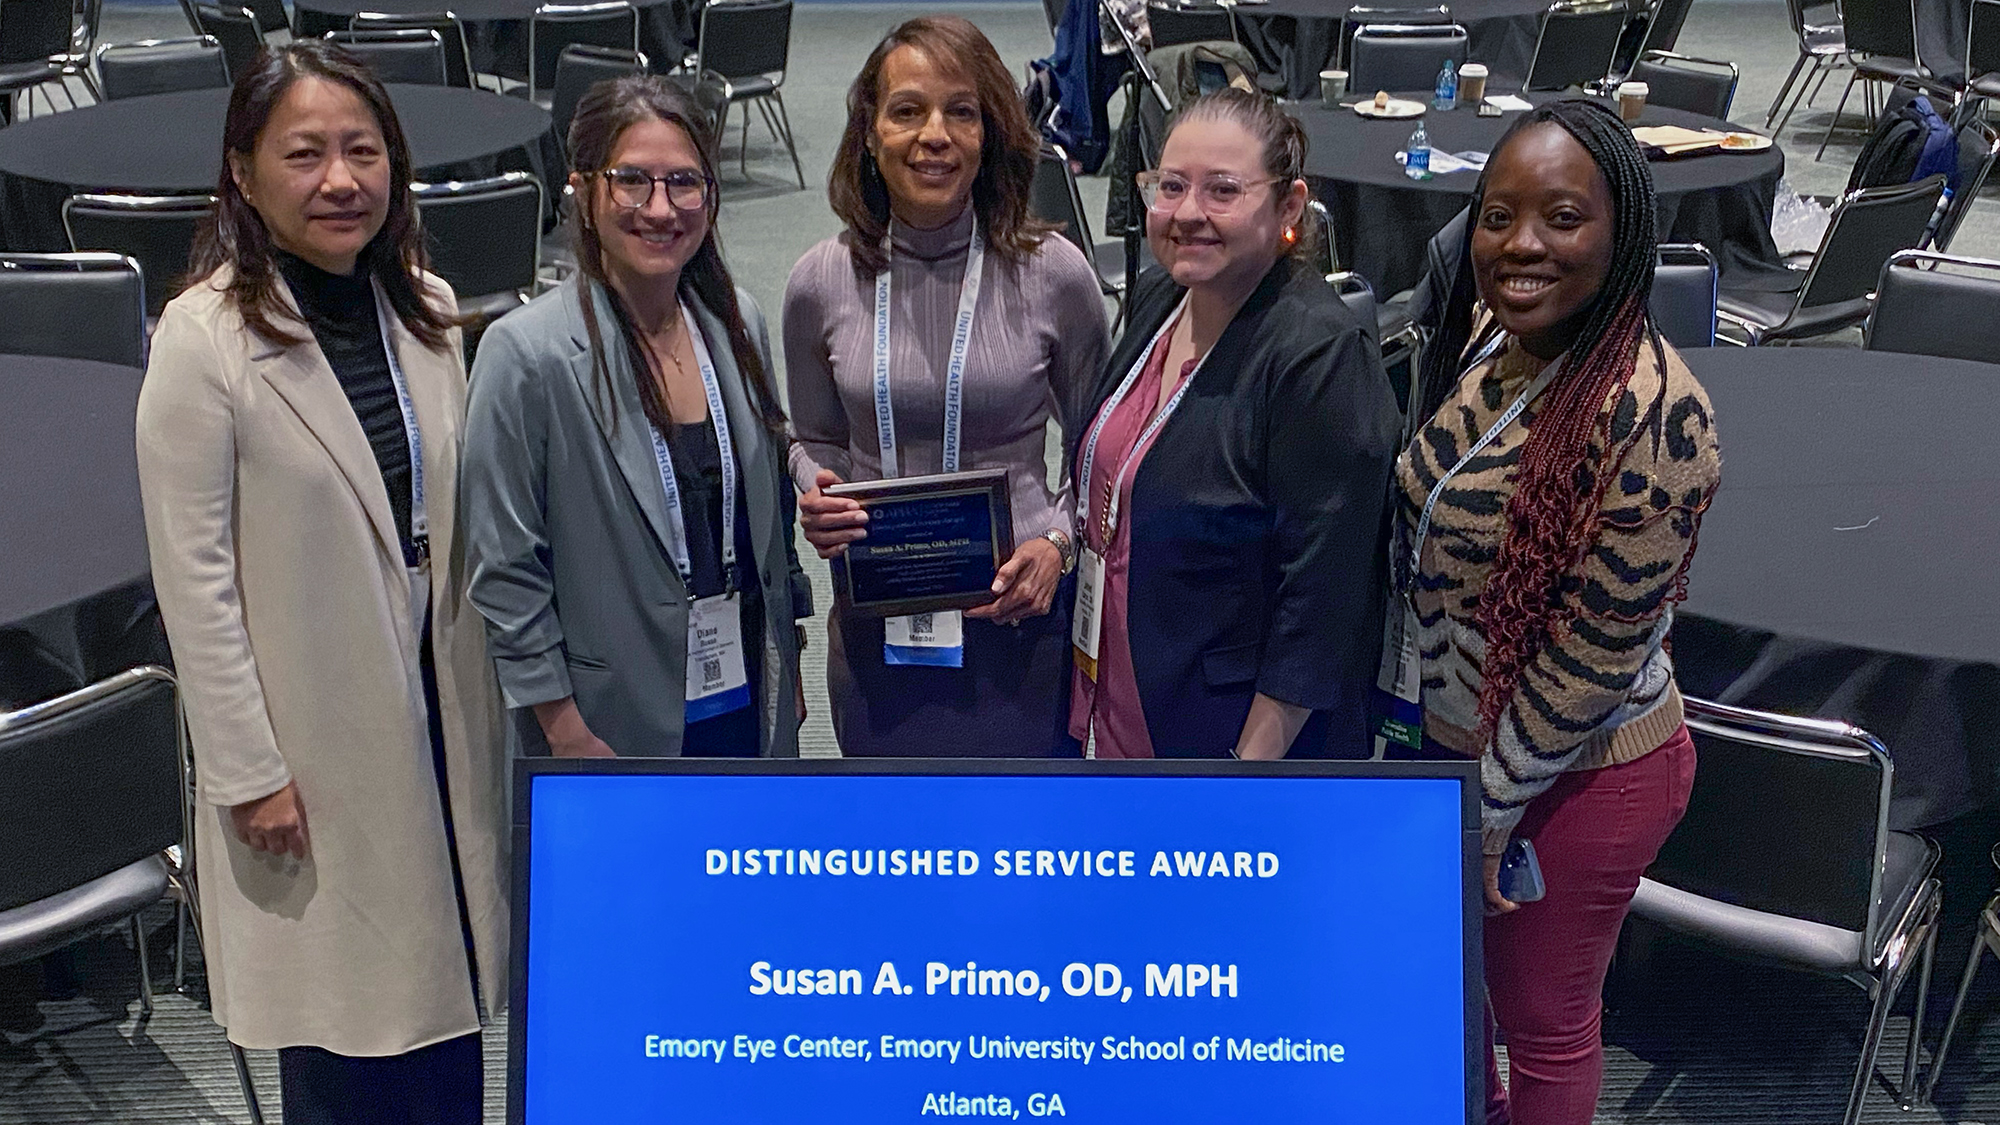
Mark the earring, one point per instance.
(1291, 235)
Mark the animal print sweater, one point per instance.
(1601, 691)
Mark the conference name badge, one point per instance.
(1399, 681)
(716, 681)
(936, 639)
(1088, 620)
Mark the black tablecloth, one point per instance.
(1843, 569)
(172, 143)
(76, 599)
(1382, 218)
(496, 31)
(1298, 38)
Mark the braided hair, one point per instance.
(1559, 487)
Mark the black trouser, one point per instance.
(442, 1084)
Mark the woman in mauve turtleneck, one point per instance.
(932, 174)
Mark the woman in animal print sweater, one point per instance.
(1548, 512)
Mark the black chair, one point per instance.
(1704, 86)
(744, 48)
(1982, 49)
(484, 237)
(157, 231)
(578, 68)
(44, 41)
(1978, 145)
(1576, 44)
(233, 27)
(1822, 41)
(91, 817)
(609, 23)
(450, 30)
(1663, 25)
(1053, 197)
(1985, 940)
(159, 66)
(1361, 15)
(1785, 855)
(1922, 310)
(1403, 56)
(1387, 321)
(1174, 23)
(75, 306)
(1684, 293)
(1881, 38)
(412, 55)
(1867, 227)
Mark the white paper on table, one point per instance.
(1508, 102)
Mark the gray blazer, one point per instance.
(565, 531)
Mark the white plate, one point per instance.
(1397, 107)
(1761, 143)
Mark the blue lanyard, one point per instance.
(420, 524)
(1501, 423)
(954, 372)
(677, 540)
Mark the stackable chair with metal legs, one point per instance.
(1785, 855)
(1987, 940)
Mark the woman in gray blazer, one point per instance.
(629, 520)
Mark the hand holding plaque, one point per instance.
(932, 543)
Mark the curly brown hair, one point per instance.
(1006, 158)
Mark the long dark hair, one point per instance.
(1007, 153)
(602, 116)
(235, 235)
(1285, 145)
(1559, 487)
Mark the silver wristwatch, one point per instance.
(1064, 549)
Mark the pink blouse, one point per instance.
(1110, 708)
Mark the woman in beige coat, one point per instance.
(298, 443)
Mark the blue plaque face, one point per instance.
(933, 542)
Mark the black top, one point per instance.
(341, 313)
(697, 460)
(1257, 557)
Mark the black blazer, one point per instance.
(1257, 527)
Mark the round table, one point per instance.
(496, 30)
(1382, 218)
(76, 599)
(1842, 568)
(1299, 38)
(171, 143)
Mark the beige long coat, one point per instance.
(276, 562)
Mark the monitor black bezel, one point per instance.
(526, 770)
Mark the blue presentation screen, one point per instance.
(842, 948)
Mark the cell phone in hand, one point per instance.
(1521, 873)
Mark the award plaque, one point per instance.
(934, 542)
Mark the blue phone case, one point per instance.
(1521, 873)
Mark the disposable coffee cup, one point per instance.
(1332, 87)
(1472, 83)
(1631, 100)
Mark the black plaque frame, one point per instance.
(990, 483)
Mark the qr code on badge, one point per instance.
(920, 624)
(711, 671)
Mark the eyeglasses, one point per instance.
(632, 188)
(1215, 195)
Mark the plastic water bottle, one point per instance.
(1417, 154)
(1446, 95)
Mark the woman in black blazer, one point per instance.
(1233, 473)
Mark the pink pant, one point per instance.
(1595, 832)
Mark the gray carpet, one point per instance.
(1691, 1038)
